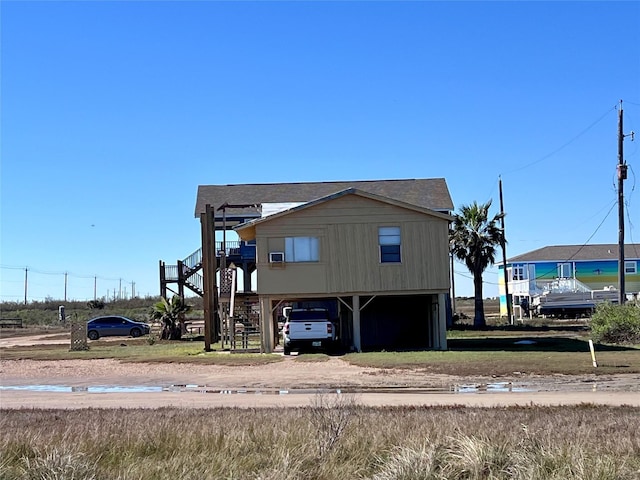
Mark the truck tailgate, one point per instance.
(308, 330)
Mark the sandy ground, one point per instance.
(111, 384)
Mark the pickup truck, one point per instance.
(310, 327)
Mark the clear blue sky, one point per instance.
(114, 112)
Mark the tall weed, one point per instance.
(330, 440)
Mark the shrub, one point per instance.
(616, 323)
(95, 304)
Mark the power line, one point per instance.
(587, 241)
(29, 282)
(70, 274)
(566, 144)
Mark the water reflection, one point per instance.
(506, 387)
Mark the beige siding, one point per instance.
(289, 278)
(299, 278)
(358, 269)
(347, 228)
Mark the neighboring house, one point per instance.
(376, 253)
(577, 268)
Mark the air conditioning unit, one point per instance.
(276, 257)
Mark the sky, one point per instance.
(112, 114)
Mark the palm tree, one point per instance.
(171, 314)
(473, 237)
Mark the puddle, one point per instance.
(490, 388)
(192, 388)
(92, 389)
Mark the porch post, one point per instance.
(246, 276)
(441, 323)
(211, 332)
(356, 323)
(266, 325)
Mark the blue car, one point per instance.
(115, 325)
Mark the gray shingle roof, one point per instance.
(431, 193)
(563, 253)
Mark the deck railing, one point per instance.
(196, 281)
(563, 285)
(231, 248)
(171, 272)
(194, 259)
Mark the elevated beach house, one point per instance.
(374, 253)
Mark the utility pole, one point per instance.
(65, 286)
(622, 176)
(26, 270)
(504, 257)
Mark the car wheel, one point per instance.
(136, 332)
(287, 350)
(93, 335)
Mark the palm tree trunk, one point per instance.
(478, 318)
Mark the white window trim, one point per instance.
(313, 247)
(562, 266)
(381, 242)
(518, 272)
(630, 267)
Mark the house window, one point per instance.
(631, 267)
(301, 249)
(518, 272)
(389, 241)
(565, 270)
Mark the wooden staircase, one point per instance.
(185, 274)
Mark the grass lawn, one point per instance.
(503, 351)
(540, 351)
(139, 350)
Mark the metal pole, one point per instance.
(622, 174)
(504, 257)
(65, 286)
(95, 285)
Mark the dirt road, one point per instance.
(111, 384)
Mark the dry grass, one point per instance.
(327, 440)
